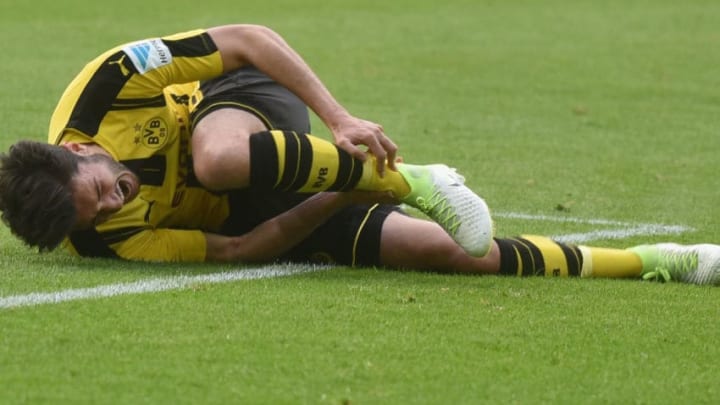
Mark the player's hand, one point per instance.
(353, 131)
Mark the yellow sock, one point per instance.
(289, 161)
(613, 263)
(370, 179)
(531, 255)
(553, 255)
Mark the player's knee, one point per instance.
(205, 169)
(219, 169)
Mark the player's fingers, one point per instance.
(382, 148)
(353, 150)
(391, 150)
(377, 150)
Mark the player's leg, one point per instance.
(694, 264)
(235, 107)
(436, 190)
(234, 148)
(380, 235)
(416, 244)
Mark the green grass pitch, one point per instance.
(584, 118)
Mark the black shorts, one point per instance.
(351, 237)
(250, 90)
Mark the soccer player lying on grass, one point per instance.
(237, 96)
(349, 228)
(145, 162)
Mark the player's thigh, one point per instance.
(225, 131)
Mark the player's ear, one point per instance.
(77, 148)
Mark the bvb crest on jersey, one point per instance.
(155, 133)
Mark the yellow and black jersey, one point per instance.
(134, 101)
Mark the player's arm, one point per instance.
(241, 45)
(276, 236)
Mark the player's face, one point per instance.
(100, 188)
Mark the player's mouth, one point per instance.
(127, 187)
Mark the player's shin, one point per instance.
(290, 161)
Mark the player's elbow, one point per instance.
(240, 44)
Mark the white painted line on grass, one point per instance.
(154, 285)
(618, 230)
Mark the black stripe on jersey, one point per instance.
(100, 93)
(89, 243)
(133, 103)
(150, 170)
(192, 181)
(122, 234)
(199, 45)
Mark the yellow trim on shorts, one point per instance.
(359, 231)
(200, 114)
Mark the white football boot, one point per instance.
(440, 193)
(694, 264)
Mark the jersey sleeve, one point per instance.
(130, 76)
(159, 245)
(165, 245)
(159, 62)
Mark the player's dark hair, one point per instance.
(35, 195)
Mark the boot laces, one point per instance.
(440, 210)
(673, 265)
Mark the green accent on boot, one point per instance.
(665, 265)
(428, 198)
